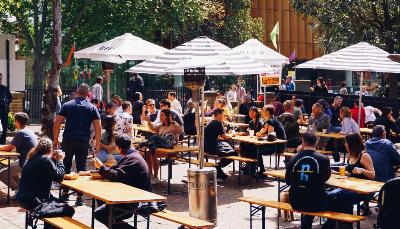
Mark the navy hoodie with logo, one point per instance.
(306, 175)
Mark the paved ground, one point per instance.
(231, 212)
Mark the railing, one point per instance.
(182, 94)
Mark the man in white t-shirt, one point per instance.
(97, 89)
(370, 114)
(175, 104)
(124, 120)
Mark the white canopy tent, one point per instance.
(361, 57)
(201, 52)
(125, 47)
(119, 50)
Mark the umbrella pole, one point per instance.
(360, 98)
(201, 143)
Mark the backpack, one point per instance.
(389, 204)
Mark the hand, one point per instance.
(357, 170)
(145, 118)
(58, 155)
(299, 148)
(258, 134)
(97, 148)
(84, 173)
(97, 163)
(312, 115)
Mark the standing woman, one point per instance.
(359, 165)
(320, 86)
(42, 168)
(169, 131)
(137, 107)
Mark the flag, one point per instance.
(274, 34)
(68, 62)
(292, 56)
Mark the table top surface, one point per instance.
(177, 149)
(365, 130)
(237, 124)
(358, 185)
(5, 154)
(143, 128)
(254, 140)
(111, 192)
(325, 135)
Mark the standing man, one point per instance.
(289, 84)
(175, 104)
(135, 84)
(79, 114)
(336, 123)
(97, 91)
(5, 100)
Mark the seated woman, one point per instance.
(107, 152)
(167, 129)
(348, 123)
(250, 150)
(220, 104)
(43, 166)
(359, 165)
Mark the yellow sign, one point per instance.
(270, 80)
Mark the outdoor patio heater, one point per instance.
(202, 186)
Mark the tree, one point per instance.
(342, 23)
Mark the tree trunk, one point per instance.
(50, 96)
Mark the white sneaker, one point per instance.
(155, 180)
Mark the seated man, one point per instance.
(131, 170)
(318, 119)
(23, 142)
(290, 125)
(383, 153)
(271, 124)
(306, 174)
(212, 133)
(166, 104)
(109, 111)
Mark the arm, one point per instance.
(324, 124)
(56, 130)
(114, 173)
(176, 128)
(55, 169)
(369, 170)
(7, 148)
(97, 126)
(395, 155)
(326, 167)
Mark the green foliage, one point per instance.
(342, 23)
(11, 121)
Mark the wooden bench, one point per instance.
(194, 161)
(185, 221)
(261, 204)
(65, 222)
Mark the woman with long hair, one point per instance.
(167, 129)
(42, 168)
(359, 165)
(348, 123)
(107, 153)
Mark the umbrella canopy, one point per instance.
(122, 48)
(361, 57)
(202, 52)
(257, 50)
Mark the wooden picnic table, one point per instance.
(237, 124)
(7, 156)
(111, 193)
(336, 136)
(143, 129)
(174, 152)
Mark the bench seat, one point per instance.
(65, 222)
(195, 162)
(183, 220)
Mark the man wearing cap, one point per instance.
(131, 170)
(79, 114)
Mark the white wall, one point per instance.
(17, 74)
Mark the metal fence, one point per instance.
(182, 94)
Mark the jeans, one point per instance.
(77, 148)
(15, 175)
(102, 212)
(335, 129)
(349, 197)
(103, 156)
(330, 203)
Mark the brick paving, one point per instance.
(231, 212)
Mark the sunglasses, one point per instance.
(151, 105)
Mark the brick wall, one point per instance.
(17, 104)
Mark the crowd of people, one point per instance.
(108, 129)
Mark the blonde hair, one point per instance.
(44, 146)
(346, 112)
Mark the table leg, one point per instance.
(110, 216)
(135, 220)
(251, 217)
(9, 180)
(240, 173)
(358, 213)
(169, 174)
(148, 219)
(263, 217)
(258, 162)
(276, 156)
(93, 206)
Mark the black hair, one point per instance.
(386, 111)
(298, 102)
(165, 102)
(123, 141)
(168, 114)
(378, 131)
(343, 84)
(218, 112)
(172, 94)
(125, 105)
(99, 79)
(136, 96)
(22, 118)
(309, 138)
(108, 125)
(110, 105)
(355, 143)
(270, 109)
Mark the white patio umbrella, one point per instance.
(127, 46)
(361, 57)
(200, 52)
(119, 50)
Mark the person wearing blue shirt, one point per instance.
(383, 153)
(289, 84)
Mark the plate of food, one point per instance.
(95, 175)
(71, 176)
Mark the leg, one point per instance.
(169, 173)
(68, 148)
(93, 206)
(156, 165)
(15, 172)
(149, 161)
(80, 160)
(9, 180)
(4, 123)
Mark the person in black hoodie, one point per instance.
(131, 170)
(306, 174)
(389, 123)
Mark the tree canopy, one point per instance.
(342, 23)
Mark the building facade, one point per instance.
(295, 29)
